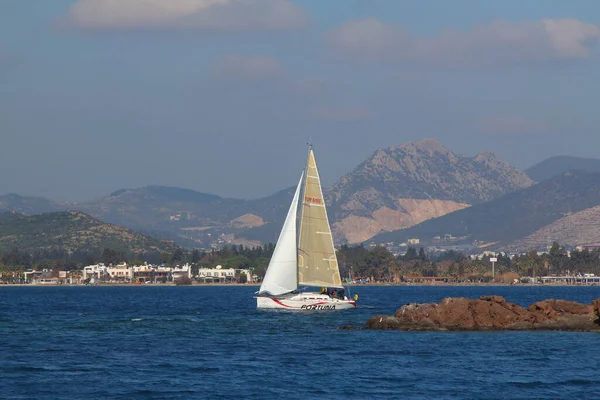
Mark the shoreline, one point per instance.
(354, 285)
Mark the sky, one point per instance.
(221, 96)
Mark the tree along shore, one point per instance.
(374, 265)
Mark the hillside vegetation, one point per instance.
(73, 231)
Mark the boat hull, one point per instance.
(304, 302)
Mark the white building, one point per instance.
(120, 272)
(33, 276)
(217, 274)
(251, 278)
(181, 271)
(94, 271)
(152, 273)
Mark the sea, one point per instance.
(210, 342)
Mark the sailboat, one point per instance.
(305, 259)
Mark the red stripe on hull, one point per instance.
(280, 303)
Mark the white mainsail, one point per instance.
(281, 276)
(317, 261)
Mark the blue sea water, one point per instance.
(211, 343)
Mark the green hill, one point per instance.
(73, 231)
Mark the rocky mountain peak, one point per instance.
(403, 185)
(493, 162)
(407, 157)
(426, 170)
(429, 146)
(490, 159)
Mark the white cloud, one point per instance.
(511, 124)
(494, 43)
(342, 114)
(185, 14)
(238, 67)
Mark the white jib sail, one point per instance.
(281, 276)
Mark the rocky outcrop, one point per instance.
(491, 313)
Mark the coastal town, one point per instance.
(486, 267)
(130, 274)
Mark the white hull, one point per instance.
(305, 301)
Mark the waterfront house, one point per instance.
(216, 275)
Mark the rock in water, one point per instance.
(491, 313)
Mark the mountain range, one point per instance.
(401, 186)
(559, 164)
(399, 192)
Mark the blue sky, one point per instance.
(221, 95)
